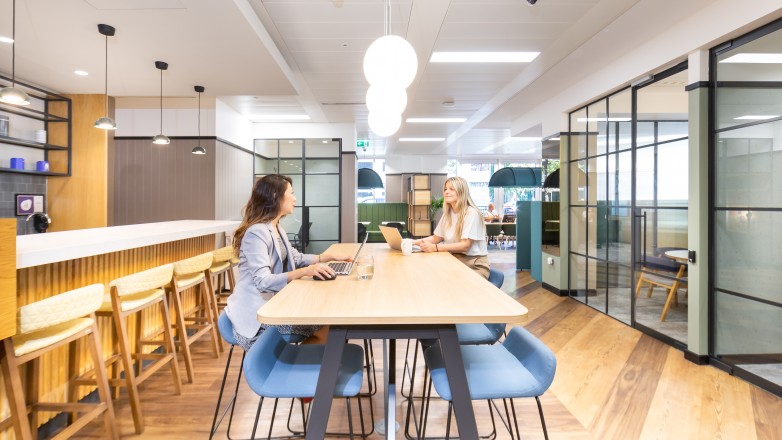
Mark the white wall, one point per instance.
(233, 127)
(416, 164)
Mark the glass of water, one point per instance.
(365, 267)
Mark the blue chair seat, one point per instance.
(479, 334)
(274, 368)
(227, 331)
(498, 371)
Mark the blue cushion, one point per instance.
(226, 328)
(521, 366)
(274, 368)
(477, 334)
(496, 277)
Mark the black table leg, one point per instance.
(457, 379)
(327, 382)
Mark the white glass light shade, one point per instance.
(105, 123)
(15, 96)
(384, 124)
(161, 139)
(390, 60)
(386, 99)
(198, 150)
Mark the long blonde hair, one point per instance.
(463, 204)
(264, 204)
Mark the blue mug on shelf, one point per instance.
(17, 163)
(42, 165)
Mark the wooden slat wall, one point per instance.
(233, 181)
(39, 282)
(155, 183)
(7, 277)
(80, 201)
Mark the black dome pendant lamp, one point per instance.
(198, 149)
(106, 123)
(161, 139)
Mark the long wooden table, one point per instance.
(418, 296)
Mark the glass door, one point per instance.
(314, 166)
(661, 196)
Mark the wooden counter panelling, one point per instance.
(7, 277)
(39, 282)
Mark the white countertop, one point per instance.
(51, 247)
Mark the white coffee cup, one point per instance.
(407, 246)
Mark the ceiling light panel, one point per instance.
(483, 57)
(435, 120)
(412, 139)
(756, 117)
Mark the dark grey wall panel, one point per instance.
(154, 183)
(12, 184)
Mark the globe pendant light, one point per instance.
(199, 149)
(161, 139)
(13, 95)
(106, 123)
(390, 65)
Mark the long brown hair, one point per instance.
(463, 203)
(264, 204)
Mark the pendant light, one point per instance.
(106, 123)
(390, 66)
(13, 95)
(198, 149)
(161, 139)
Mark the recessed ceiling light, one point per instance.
(756, 117)
(7, 40)
(483, 57)
(553, 139)
(421, 139)
(759, 58)
(434, 120)
(603, 119)
(325, 141)
(281, 117)
(80, 72)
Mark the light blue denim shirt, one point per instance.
(261, 275)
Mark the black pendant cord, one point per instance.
(199, 118)
(161, 101)
(106, 88)
(13, 46)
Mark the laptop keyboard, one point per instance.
(340, 267)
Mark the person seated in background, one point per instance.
(268, 262)
(490, 215)
(460, 231)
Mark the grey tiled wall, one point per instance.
(12, 184)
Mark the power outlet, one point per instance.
(550, 261)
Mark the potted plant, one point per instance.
(435, 208)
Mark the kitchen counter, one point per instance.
(51, 247)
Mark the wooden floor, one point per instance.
(612, 382)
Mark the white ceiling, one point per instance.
(305, 56)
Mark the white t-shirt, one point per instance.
(473, 228)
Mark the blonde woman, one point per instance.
(461, 231)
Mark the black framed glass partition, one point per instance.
(746, 226)
(314, 166)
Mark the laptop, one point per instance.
(344, 267)
(394, 238)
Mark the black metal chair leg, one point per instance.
(542, 420)
(257, 416)
(236, 397)
(220, 396)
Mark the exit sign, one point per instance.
(362, 143)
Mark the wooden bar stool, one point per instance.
(43, 326)
(222, 268)
(191, 273)
(134, 295)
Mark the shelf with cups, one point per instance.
(35, 139)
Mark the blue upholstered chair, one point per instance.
(227, 333)
(276, 369)
(522, 366)
(468, 334)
